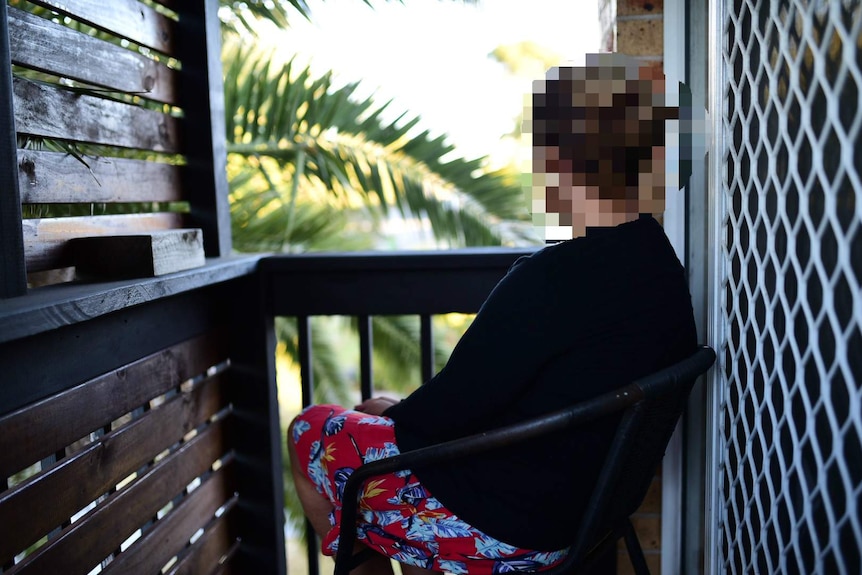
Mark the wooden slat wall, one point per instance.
(32, 433)
(47, 501)
(170, 535)
(114, 105)
(88, 541)
(124, 456)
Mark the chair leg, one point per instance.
(633, 546)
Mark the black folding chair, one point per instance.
(651, 407)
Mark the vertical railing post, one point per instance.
(366, 347)
(306, 373)
(426, 344)
(306, 376)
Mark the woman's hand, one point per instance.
(375, 405)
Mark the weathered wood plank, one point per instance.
(43, 45)
(46, 240)
(51, 112)
(34, 432)
(218, 540)
(49, 499)
(83, 544)
(66, 305)
(126, 18)
(55, 177)
(13, 281)
(171, 534)
(139, 255)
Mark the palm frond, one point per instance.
(360, 157)
(241, 16)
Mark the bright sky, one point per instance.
(431, 56)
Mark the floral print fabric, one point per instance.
(397, 515)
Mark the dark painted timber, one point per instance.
(12, 278)
(385, 283)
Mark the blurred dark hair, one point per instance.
(590, 136)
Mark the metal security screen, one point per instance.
(790, 464)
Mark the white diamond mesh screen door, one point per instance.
(790, 457)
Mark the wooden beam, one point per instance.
(202, 99)
(138, 255)
(60, 178)
(46, 241)
(13, 281)
(257, 436)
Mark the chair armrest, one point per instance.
(581, 413)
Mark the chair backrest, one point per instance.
(638, 447)
(117, 107)
(651, 408)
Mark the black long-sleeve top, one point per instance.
(569, 322)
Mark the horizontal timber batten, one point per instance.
(57, 177)
(43, 45)
(46, 111)
(50, 498)
(127, 18)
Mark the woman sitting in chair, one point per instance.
(574, 320)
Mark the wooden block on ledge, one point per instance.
(138, 255)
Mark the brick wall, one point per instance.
(636, 28)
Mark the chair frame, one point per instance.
(591, 538)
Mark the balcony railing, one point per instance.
(364, 285)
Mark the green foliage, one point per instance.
(307, 138)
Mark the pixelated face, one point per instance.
(598, 152)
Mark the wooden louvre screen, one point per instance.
(139, 481)
(101, 123)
